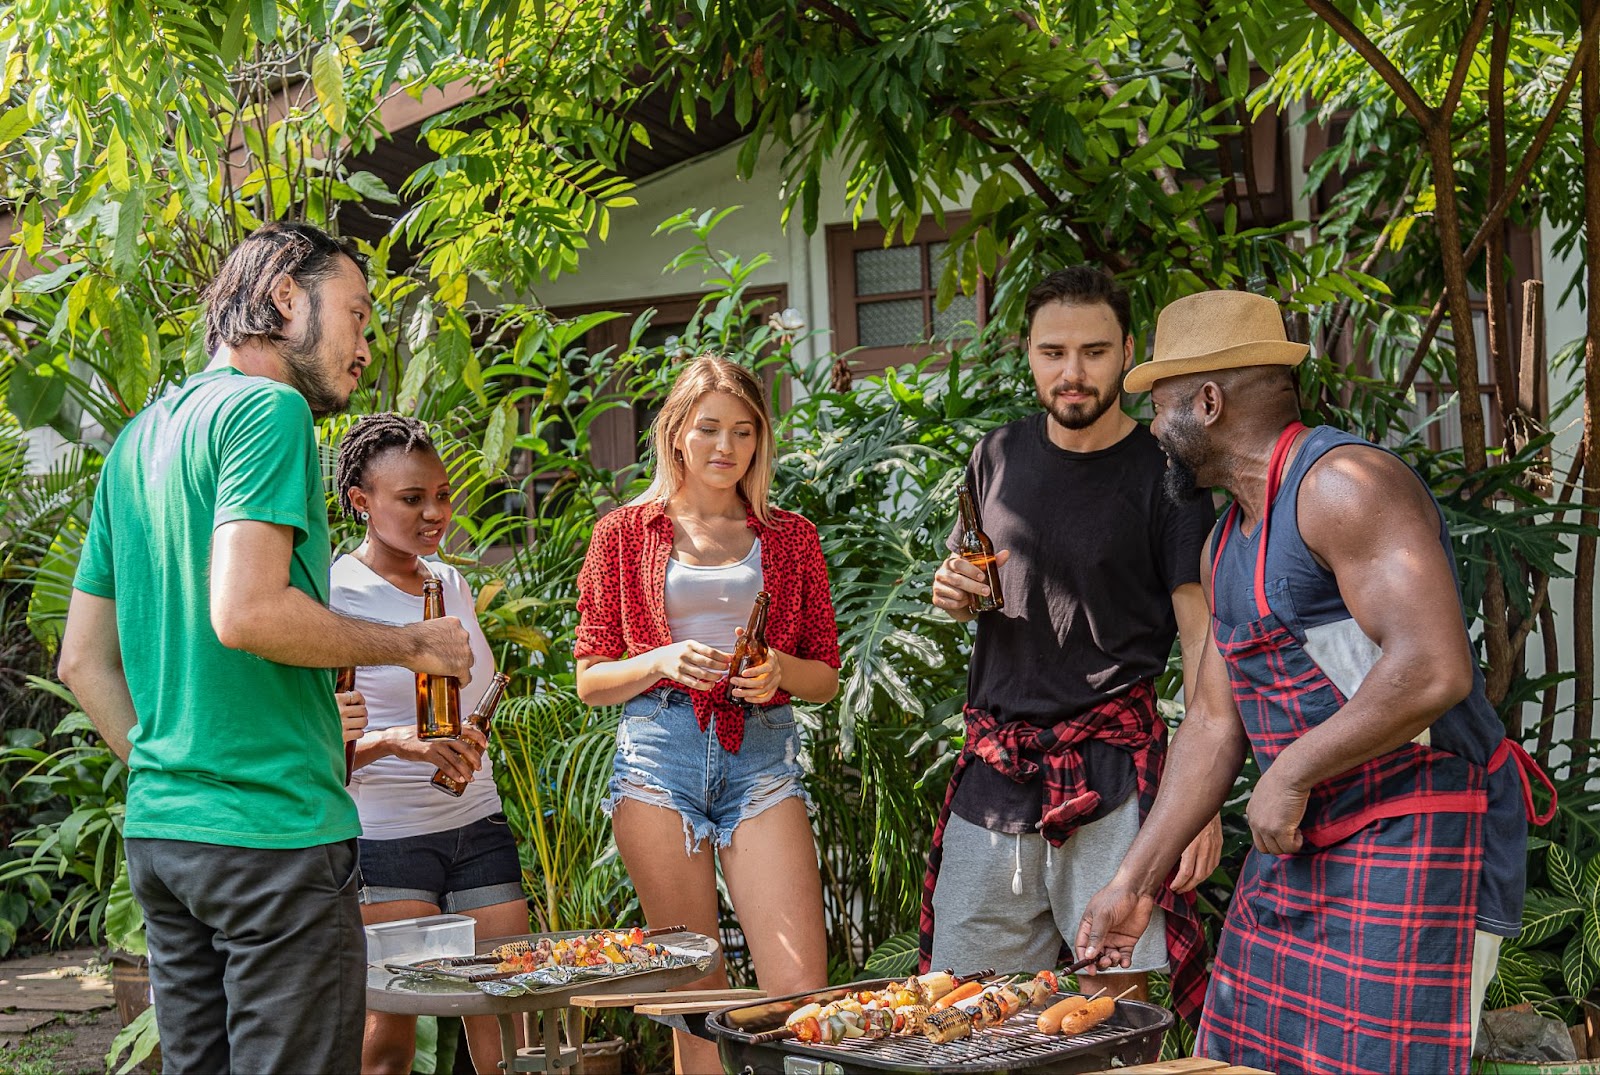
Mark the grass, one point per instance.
(35, 1055)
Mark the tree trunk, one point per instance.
(1497, 641)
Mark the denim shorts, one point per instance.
(664, 759)
(455, 870)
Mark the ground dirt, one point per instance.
(56, 1014)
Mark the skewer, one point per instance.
(785, 1032)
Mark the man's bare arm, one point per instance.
(1194, 630)
(254, 608)
(1206, 756)
(91, 665)
(1369, 520)
(1189, 606)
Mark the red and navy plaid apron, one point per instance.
(1128, 720)
(1353, 955)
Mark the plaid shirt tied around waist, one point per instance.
(1022, 751)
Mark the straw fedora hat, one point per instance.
(1215, 330)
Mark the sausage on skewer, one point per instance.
(1092, 1014)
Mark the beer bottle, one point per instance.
(751, 649)
(976, 549)
(479, 718)
(344, 682)
(438, 697)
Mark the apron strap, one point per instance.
(1280, 454)
(1510, 749)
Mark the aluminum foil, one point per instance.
(544, 978)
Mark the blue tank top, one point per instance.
(1305, 597)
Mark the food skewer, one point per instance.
(990, 1008)
(897, 1008)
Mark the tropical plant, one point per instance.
(57, 873)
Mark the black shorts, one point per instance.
(455, 870)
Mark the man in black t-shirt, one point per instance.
(1099, 573)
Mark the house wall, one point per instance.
(1564, 322)
(627, 267)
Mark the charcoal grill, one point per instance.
(1132, 1036)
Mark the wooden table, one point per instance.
(409, 994)
(1189, 1065)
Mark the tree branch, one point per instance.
(1497, 211)
(1364, 46)
(1469, 44)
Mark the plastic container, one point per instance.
(407, 940)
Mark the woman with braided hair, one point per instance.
(422, 852)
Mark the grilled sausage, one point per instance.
(1089, 1016)
(1051, 1018)
(960, 992)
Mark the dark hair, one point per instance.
(239, 302)
(369, 438)
(1081, 285)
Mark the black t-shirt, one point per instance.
(1096, 551)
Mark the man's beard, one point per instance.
(1186, 452)
(1078, 415)
(1180, 483)
(307, 368)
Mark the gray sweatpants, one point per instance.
(257, 957)
(978, 921)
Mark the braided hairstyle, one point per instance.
(370, 437)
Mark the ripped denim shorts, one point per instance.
(664, 759)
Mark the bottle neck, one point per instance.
(969, 513)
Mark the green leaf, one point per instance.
(371, 188)
(1577, 969)
(233, 35)
(1564, 871)
(264, 18)
(497, 438)
(1545, 915)
(418, 370)
(327, 77)
(45, 283)
(130, 221)
(894, 958)
(14, 122)
(124, 916)
(36, 394)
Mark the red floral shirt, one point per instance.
(622, 606)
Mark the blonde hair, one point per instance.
(705, 374)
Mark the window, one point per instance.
(883, 297)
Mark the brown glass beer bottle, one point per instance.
(976, 549)
(344, 681)
(751, 649)
(438, 697)
(479, 718)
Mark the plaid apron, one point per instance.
(1353, 955)
(1128, 720)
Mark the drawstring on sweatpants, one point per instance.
(1016, 878)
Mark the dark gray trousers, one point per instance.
(257, 957)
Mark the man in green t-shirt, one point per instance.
(199, 642)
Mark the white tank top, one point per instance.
(706, 604)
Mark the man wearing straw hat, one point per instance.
(1389, 821)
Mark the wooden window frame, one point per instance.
(843, 241)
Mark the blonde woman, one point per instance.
(707, 769)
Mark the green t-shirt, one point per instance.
(230, 748)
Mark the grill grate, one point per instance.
(1016, 1041)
